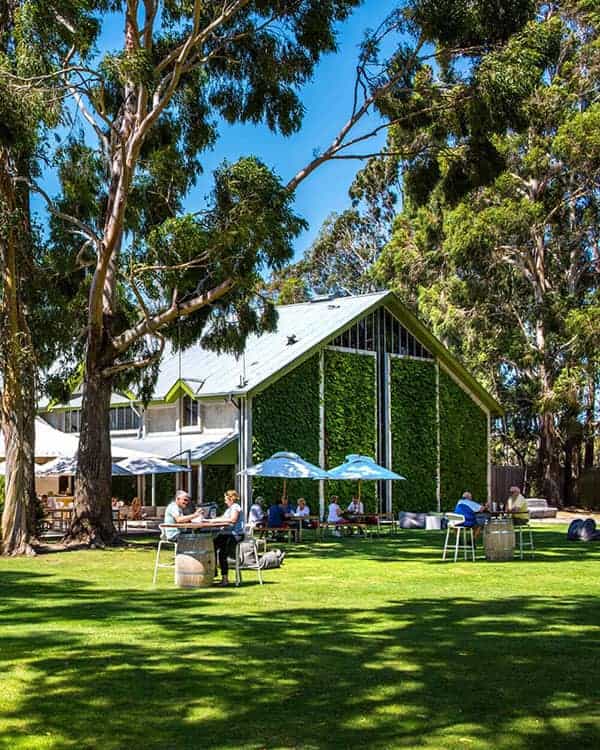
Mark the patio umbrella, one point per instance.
(67, 467)
(361, 467)
(284, 465)
(151, 465)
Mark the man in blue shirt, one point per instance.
(468, 508)
(276, 516)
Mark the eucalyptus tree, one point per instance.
(36, 42)
(155, 273)
(498, 242)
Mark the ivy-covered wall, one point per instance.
(463, 444)
(414, 433)
(350, 418)
(217, 479)
(285, 417)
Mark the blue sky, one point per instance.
(328, 102)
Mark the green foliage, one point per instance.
(414, 433)
(463, 444)
(350, 417)
(124, 488)
(217, 480)
(285, 417)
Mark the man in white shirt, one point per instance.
(356, 507)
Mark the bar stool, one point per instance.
(525, 543)
(162, 541)
(456, 523)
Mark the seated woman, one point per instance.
(226, 540)
(135, 511)
(303, 513)
(334, 514)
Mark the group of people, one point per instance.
(231, 525)
(476, 514)
(282, 514)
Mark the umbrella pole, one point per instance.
(284, 496)
(359, 489)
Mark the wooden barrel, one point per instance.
(195, 561)
(499, 539)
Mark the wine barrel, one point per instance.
(499, 539)
(195, 561)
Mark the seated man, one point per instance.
(256, 514)
(287, 508)
(468, 508)
(356, 507)
(517, 506)
(276, 517)
(175, 512)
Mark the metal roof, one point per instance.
(307, 324)
(200, 446)
(301, 330)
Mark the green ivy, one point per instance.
(217, 480)
(463, 444)
(350, 417)
(285, 417)
(414, 433)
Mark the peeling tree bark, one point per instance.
(17, 404)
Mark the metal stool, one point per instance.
(163, 540)
(455, 523)
(523, 543)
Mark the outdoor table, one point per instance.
(195, 557)
(63, 516)
(300, 519)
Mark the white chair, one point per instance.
(525, 543)
(240, 564)
(455, 523)
(161, 542)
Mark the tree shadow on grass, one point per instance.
(427, 546)
(439, 673)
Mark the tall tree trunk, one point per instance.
(92, 515)
(17, 404)
(588, 429)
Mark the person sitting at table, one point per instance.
(226, 540)
(288, 511)
(303, 513)
(470, 509)
(334, 514)
(136, 509)
(175, 513)
(50, 502)
(516, 505)
(356, 507)
(276, 518)
(256, 514)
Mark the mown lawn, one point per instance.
(370, 644)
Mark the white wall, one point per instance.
(161, 419)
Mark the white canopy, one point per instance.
(67, 467)
(150, 465)
(49, 442)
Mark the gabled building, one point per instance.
(340, 375)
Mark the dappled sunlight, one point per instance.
(420, 661)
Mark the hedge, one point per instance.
(414, 433)
(285, 417)
(217, 479)
(463, 444)
(350, 417)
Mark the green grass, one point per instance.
(353, 643)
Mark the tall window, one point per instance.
(381, 331)
(72, 420)
(191, 411)
(124, 418)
